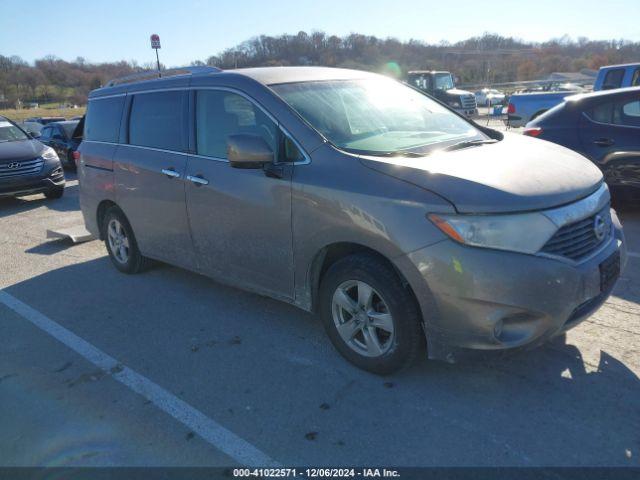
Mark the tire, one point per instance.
(395, 349)
(54, 193)
(121, 243)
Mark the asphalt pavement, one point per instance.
(169, 368)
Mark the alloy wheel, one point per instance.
(362, 318)
(118, 241)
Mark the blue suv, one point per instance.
(604, 127)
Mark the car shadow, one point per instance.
(226, 350)
(14, 205)
(52, 247)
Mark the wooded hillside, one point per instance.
(486, 59)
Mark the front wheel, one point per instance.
(54, 193)
(371, 318)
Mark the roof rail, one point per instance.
(153, 74)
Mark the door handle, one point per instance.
(604, 142)
(198, 180)
(170, 172)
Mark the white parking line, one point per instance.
(633, 254)
(212, 432)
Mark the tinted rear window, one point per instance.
(156, 120)
(103, 119)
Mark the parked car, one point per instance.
(524, 107)
(489, 96)
(617, 76)
(32, 128)
(45, 120)
(604, 127)
(441, 85)
(352, 195)
(64, 138)
(26, 165)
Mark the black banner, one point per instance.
(209, 473)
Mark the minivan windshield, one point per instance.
(10, 133)
(376, 116)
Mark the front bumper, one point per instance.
(51, 176)
(482, 299)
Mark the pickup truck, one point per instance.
(524, 107)
(617, 76)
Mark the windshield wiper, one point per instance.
(468, 143)
(401, 153)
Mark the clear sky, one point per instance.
(109, 30)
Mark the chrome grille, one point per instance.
(579, 239)
(468, 102)
(18, 169)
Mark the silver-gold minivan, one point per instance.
(403, 224)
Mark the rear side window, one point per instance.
(220, 114)
(629, 113)
(102, 122)
(622, 112)
(157, 120)
(635, 79)
(613, 78)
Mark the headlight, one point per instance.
(454, 104)
(525, 233)
(50, 154)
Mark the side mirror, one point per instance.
(248, 151)
(57, 136)
(34, 134)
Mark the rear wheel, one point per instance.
(371, 318)
(121, 243)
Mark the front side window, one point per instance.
(423, 82)
(102, 122)
(10, 133)
(157, 120)
(376, 116)
(221, 113)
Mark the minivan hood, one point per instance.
(514, 175)
(20, 150)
